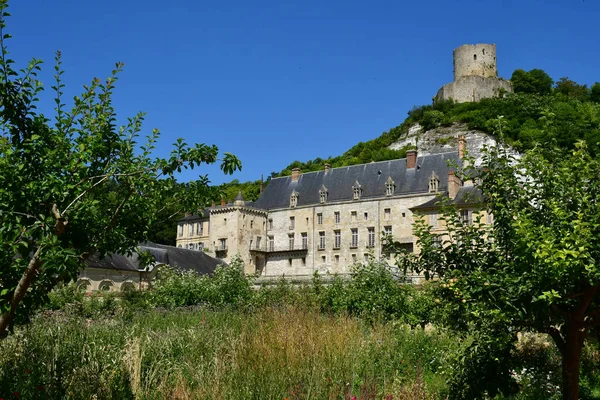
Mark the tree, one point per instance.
(572, 89)
(79, 185)
(536, 268)
(595, 92)
(536, 81)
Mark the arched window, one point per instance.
(294, 199)
(356, 191)
(475, 57)
(105, 286)
(434, 183)
(323, 194)
(84, 284)
(127, 286)
(390, 186)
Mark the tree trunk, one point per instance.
(571, 362)
(24, 283)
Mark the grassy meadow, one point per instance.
(217, 338)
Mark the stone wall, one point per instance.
(113, 280)
(473, 88)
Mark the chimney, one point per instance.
(296, 174)
(411, 159)
(262, 187)
(453, 184)
(327, 167)
(462, 146)
(188, 214)
(223, 203)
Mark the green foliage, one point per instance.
(79, 184)
(572, 89)
(536, 267)
(227, 286)
(432, 119)
(535, 81)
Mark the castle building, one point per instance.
(328, 220)
(475, 75)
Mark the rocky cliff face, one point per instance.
(445, 139)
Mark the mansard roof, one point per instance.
(182, 259)
(372, 178)
(465, 197)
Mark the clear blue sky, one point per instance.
(277, 81)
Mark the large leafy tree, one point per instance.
(77, 185)
(536, 268)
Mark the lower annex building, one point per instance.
(328, 220)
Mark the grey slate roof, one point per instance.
(467, 195)
(182, 259)
(371, 177)
(202, 215)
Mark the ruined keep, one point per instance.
(475, 75)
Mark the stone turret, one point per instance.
(475, 75)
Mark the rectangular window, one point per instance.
(387, 230)
(366, 216)
(386, 213)
(337, 217)
(321, 240)
(323, 259)
(319, 219)
(271, 243)
(201, 246)
(180, 233)
(303, 261)
(337, 258)
(338, 239)
(353, 216)
(190, 229)
(291, 241)
(467, 217)
(290, 262)
(366, 257)
(292, 222)
(371, 237)
(201, 228)
(353, 258)
(354, 238)
(304, 240)
(433, 220)
(258, 239)
(223, 244)
(270, 224)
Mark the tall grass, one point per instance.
(293, 353)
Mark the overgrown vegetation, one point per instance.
(369, 336)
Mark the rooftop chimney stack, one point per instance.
(188, 214)
(262, 187)
(462, 146)
(411, 159)
(453, 184)
(223, 203)
(296, 174)
(327, 168)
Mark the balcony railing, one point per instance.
(279, 249)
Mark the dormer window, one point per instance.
(434, 183)
(323, 194)
(356, 191)
(294, 199)
(390, 186)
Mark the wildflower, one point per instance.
(353, 398)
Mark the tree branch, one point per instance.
(26, 279)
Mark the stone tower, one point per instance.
(475, 75)
(475, 59)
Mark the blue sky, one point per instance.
(278, 81)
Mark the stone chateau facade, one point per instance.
(328, 220)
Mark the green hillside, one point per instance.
(539, 111)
